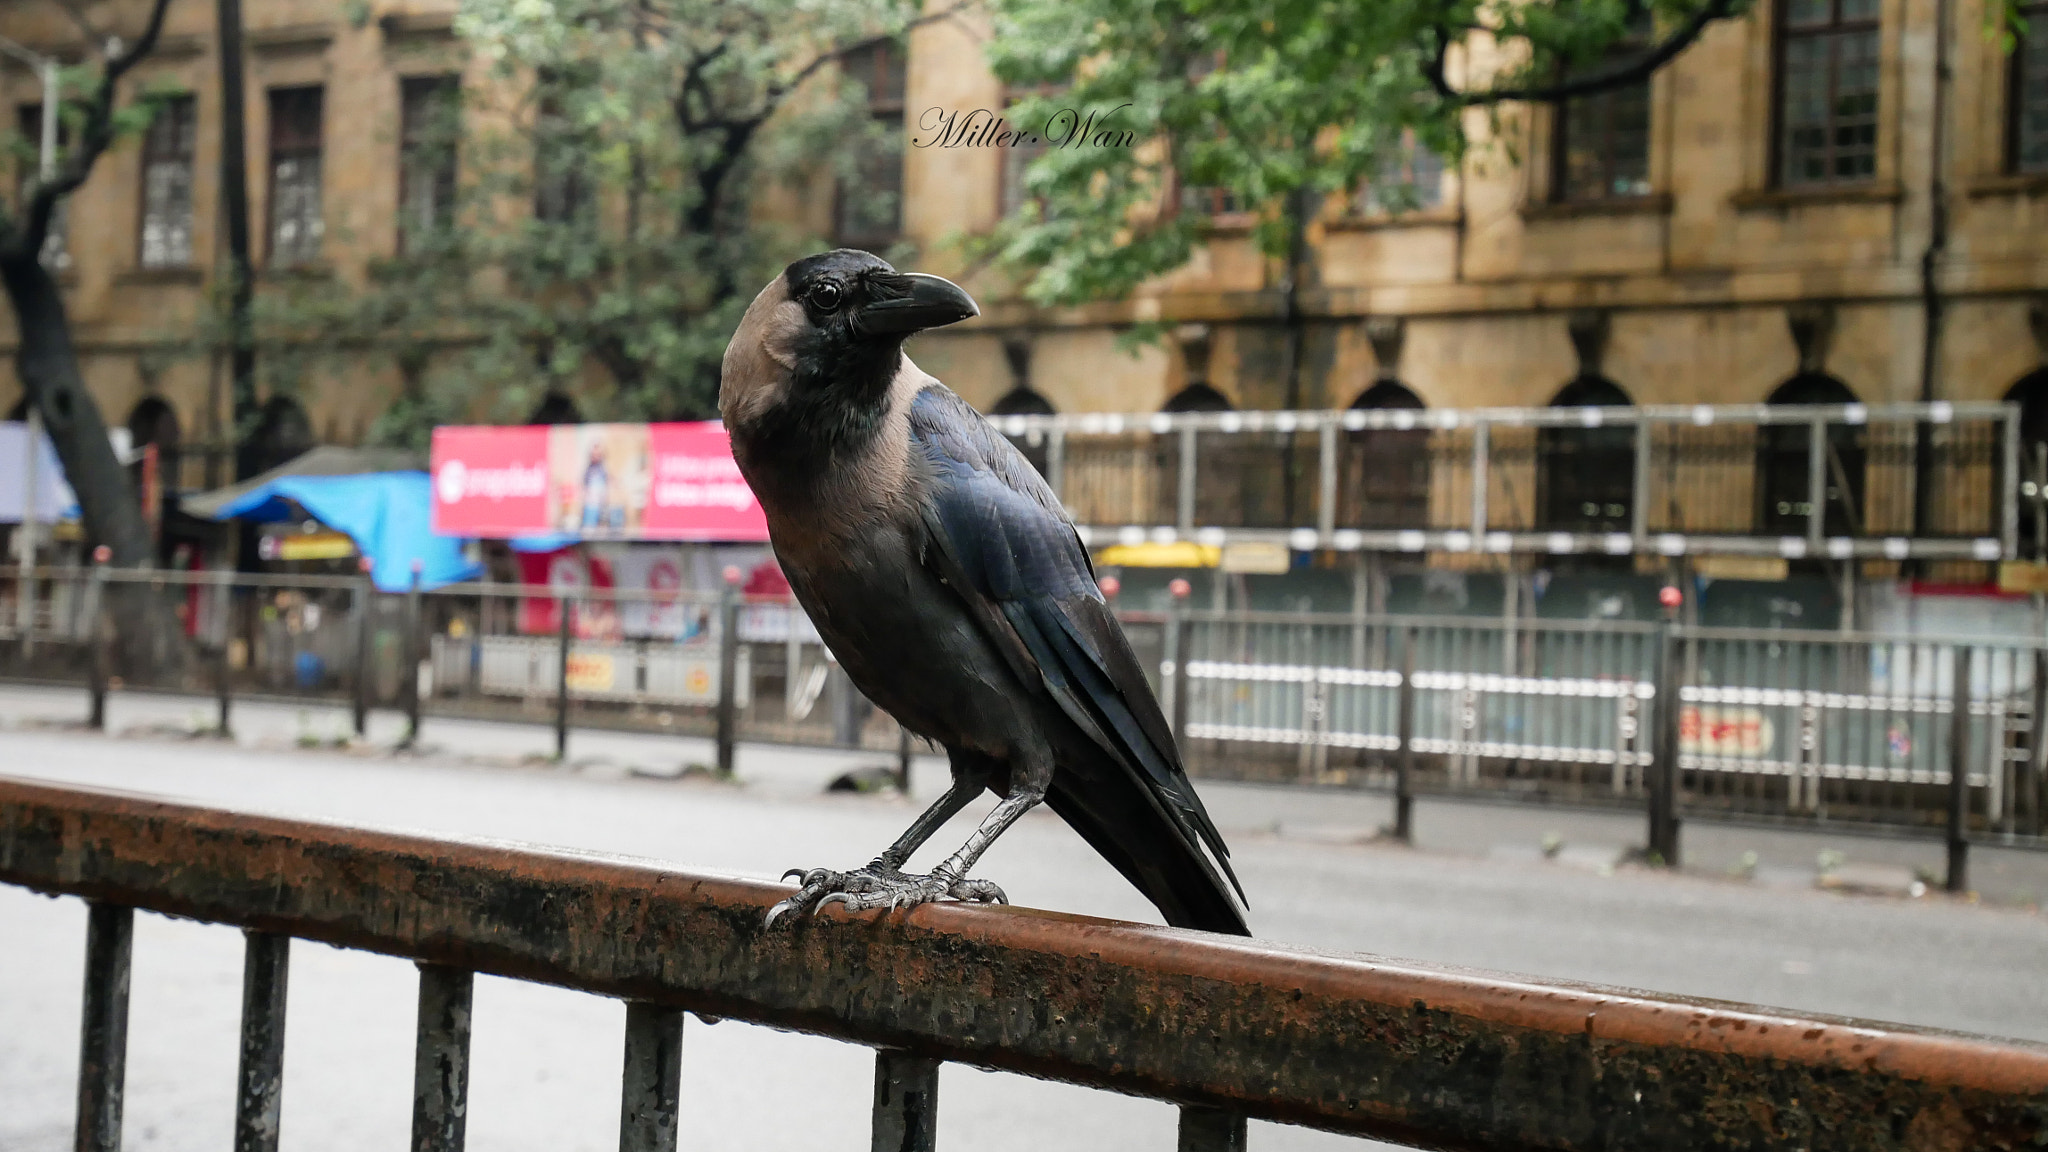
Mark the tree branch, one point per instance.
(776, 92)
(93, 138)
(1619, 74)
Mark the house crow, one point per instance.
(954, 590)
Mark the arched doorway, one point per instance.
(1385, 473)
(1586, 476)
(1784, 462)
(154, 421)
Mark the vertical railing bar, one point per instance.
(103, 1032)
(1184, 499)
(1481, 440)
(440, 1071)
(906, 1102)
(1326, 513)
(1816, 482)
(1639, 510)
(1205, 1129)
(1056, 462)
(259, 1086)
(650, 1097)
(2009, 497)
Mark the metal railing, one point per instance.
(1226, 1028)
(1918, 735)
(1884, 481)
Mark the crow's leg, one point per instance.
(1030, 773)
(969, 778)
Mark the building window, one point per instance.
(296, 226)
(56, 254)
(868, 212)
(2030, 392)
(167, 185)
(560, 189)
(1018, 155)
(1827, 91)
(1587, 475)
(2027, 104)
(1410, 177)
(429, 125)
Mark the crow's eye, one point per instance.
(825, 297)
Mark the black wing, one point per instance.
(1000, 537)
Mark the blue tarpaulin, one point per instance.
(387, 514)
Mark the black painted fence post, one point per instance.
(363, 605)
(223, 684)
(103, 1035)
(259, 1095)
(415, 624)
(1210, 1130)
(1404, 735)
(650, 1097)
(903, 757)
(1662, 777)
(564, 607)
(1959, 774)
(728, 669)
(906, 1102)
(96, 637)
(440, 1073)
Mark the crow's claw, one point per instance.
(879, 885)
(977, 891)
(796, 872)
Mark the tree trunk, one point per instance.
(48, 366)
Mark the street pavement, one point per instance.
(1476, 892)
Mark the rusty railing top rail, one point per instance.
(1436, 1056)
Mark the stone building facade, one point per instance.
(1753, 220)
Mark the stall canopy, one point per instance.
(379, 498)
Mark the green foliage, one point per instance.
(601, 241)
(1281, 104)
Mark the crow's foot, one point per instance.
(879, 886)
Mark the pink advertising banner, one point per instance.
(593, 481)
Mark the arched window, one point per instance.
(1784, 480)
(1385, 473)
(1025, 401)
(1197, 398)
(154, 421)
(555, 408)
(1586, 476)
(2030, 392)
(282, 433)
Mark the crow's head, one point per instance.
(829, 332)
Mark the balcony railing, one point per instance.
(1224, 1027)
(1938, 481)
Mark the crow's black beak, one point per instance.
(932, 302)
